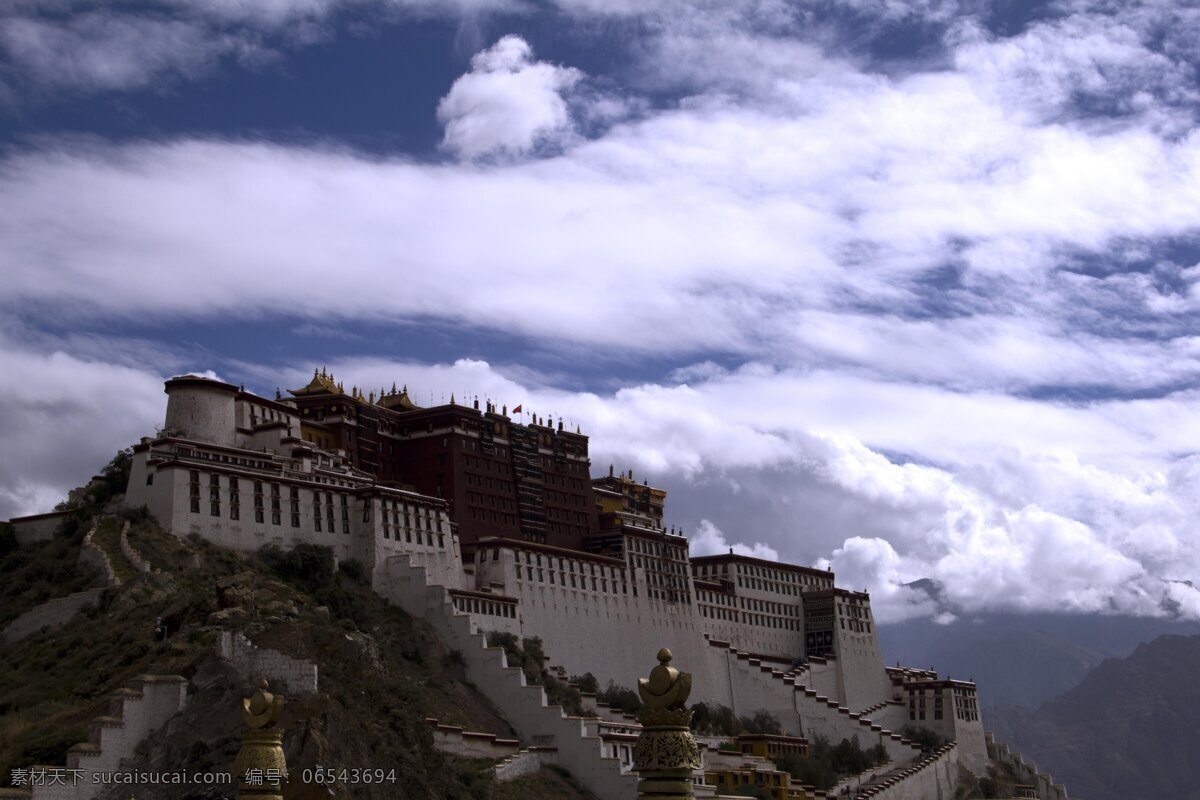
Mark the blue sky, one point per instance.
(909, 289)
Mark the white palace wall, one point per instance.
(244, 500)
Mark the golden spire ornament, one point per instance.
(260, 766)
(666, 752)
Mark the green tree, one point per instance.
(715, 720)
(762, 721)
(925, 738)
(620, 698)
(586, 682)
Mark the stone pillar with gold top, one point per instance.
(260, 765)
(666, 752)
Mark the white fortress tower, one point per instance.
(202, 409)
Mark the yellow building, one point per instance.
(765, 745)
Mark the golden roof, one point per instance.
(397, 401)
(320, 384)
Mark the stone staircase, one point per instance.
(866, 712)
(818, 713)
(134, 713)
(556, 734)
(108, 538)
(916, 781)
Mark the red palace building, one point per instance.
(498, 477)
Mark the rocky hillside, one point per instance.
(1130, 729)
(381, 672)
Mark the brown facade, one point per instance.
(498, 477)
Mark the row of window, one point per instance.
(715, 598)
(658, 565)
(330, 519)
(571, 580)
(222, 458)
(476, 605)
(763, 577)
(234, 499)
(568, 564)
(422, 538)
(770, 586)
(747, 618)
(495, 484)
(639, 545)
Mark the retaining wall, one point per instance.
(36, 527)
(52, 613)
(471, 744)
(1026, 771)
(526, 762)
(134, 713)
(297, 675)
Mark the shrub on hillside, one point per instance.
(307, 566)
(353, 569)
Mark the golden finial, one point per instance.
(666, 752)
(262, 709)
(260, 764)
(667, 687)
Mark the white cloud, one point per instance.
(93, 47)
(104, 51)
(66, 418)
(508, 104)
(708, 540)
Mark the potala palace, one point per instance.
(482, 524)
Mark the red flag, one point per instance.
(516, 409)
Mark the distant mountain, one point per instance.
(1025, 660)
(1129, 730)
